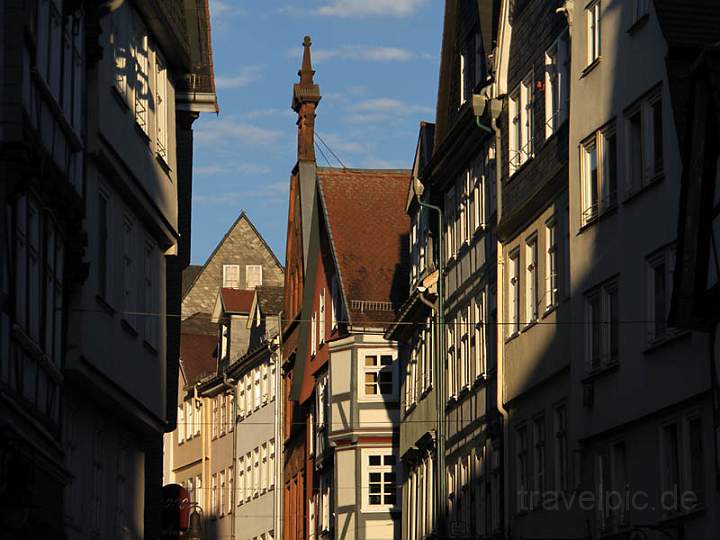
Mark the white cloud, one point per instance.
(383, 110)
(231, 131)
(223, 8)
(365, 53)
(371, 8)
(230, 168)
(247, 75)
(274, 192)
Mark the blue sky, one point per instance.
(376, 62)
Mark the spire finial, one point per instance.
(306, 72)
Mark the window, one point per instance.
(263, 468)
(222, 493)
(129, 277)
(241, 398)
(230, 402)
(465, 359)
(214, 508)
(151, 315)
(551, 264)
(561, 449)
(189, 420)
(378, 376)
(611, 478)
(661, 267)
(231, 490)
(640, 9)
(681, 458)
(256, 472)
(231, 276)
(313, 334)
(264, 384)
(592, 32)
(258, 390)
(462, 192)
(599, 173)
(271, 464)
(121, 55)
(335, 293)
(142, 81)
(514, 292)
(410, 379)
(98, 479)
(322, 316)
(478, 195)
(241, 480)
(253, 276)
(161, 107)
(479, 508)
(248, 393)
(557, 64)
(215, 417)
(181, 423)
(538, 460)
(522, 473)
(249, 479)
(463, 78)
(479, 335)
(602, 325)
(531, 279)
(103, 255)
(324, 518)
(450, 223)
(526, 118)
(644, 136)
(380, 475)
(451, 359)
(515, 142)
(223, 413)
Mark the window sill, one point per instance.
(590, 67)
(104, 304)
(164, 165)
(143, 135)
(601, 371)
(529, 325)
(128, 327)
(670, 336)
(637, 25)
(608, 211)
(119, 99)
(512, 336)
(149, 347)
(520, 167)
(549, 309)
(634, 192)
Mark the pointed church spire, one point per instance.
(306, 96)
(306, 72)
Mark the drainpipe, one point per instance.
(227, 381)
(500, 342)
(439, 374)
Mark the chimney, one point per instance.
(306, 96)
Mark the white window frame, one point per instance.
(514, 292)
(552, 267)
(599, 195)
(142, 90)
(321, 321)
(662, 257)
(255, 270)
(228, 281)
(557, 84)
(363, 370)
(162, 126)
(649, 167)
(385, 455)
(607, 356)
(532, 301)
(313, 334)
(593, 33)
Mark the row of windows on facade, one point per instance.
(138, 263)
(473, 499)
(37, 294)
(111, 480)
(58, 73)
(639, 146)
(680, 460)
(521, 104)
(141, 76)
(253, 276)
(319, 330)
(553, 248)
(469, 204)
(470, 342)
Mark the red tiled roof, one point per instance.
(237, 300)
(197, 356)
(369, 231)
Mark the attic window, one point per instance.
(253, 275)
(231, 276)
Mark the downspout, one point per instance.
(500, 342)
(440, 374)
(229, 382)
(279, 443)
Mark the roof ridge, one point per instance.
(359, 170)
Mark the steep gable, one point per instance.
(242, 245)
